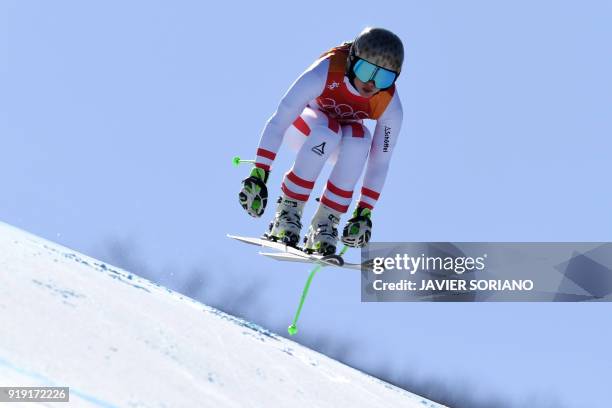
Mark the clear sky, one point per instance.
(118, 121)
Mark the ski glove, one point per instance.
(254, 194)
(358, 229)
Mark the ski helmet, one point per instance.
(380, 47)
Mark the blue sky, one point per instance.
(118, 120)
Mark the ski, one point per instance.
(291, 254)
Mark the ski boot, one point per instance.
(286, 225)
(322, 236)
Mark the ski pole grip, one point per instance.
(236, 160)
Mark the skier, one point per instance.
(323, 113)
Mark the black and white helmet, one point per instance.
(380, 47)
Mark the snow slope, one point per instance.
(118, 340)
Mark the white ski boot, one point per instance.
(286, 225)
(322, 236)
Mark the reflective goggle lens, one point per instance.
(384, 78)
(367, 71)
(364, 70)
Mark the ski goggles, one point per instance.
(366, 71)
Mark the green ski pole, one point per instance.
(236, 160)
(292, 329)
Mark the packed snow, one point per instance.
(118, 340)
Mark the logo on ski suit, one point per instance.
(342, 110)
(319, 149)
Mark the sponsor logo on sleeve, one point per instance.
(386, 141)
